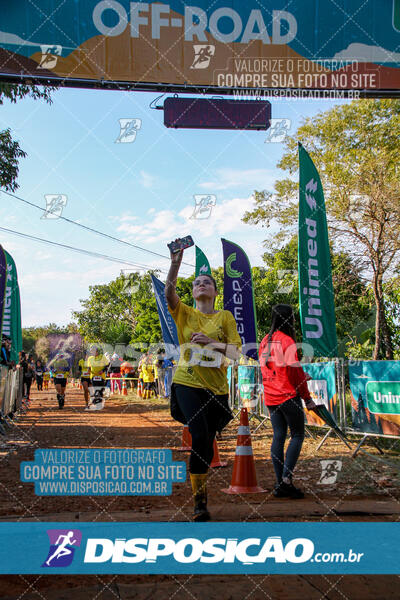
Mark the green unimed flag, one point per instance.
(10, 305)
(317, 307)
(202, 264)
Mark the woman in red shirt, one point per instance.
(285, 383)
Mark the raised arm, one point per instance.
(170, 285)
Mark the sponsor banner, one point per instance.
(239, 296)
(249, 390)
(3, 282)
(168, 327)
(10, 303)
(304, 44)
(316, 299)
(202, 264)
(263, 548)
(375, 396)
(322, 388)
(70, 345)
(111, 472)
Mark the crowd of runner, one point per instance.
(99, 374)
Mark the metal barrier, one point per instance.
(373, 411)
(11, 394)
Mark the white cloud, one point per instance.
(225, 221)
(233, 178)
(147, 180)
(40, 255)
(366, 53)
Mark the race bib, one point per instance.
(97, 378)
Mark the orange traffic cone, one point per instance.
(124, 388)
(139, 390)
(186, 440)
(216, 461)
(244, 479)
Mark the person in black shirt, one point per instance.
(5, 352)
(24, 364)
(39, 370)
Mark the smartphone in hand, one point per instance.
(181, 244)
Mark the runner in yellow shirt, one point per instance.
(97, 364)
(148, 377)
(84, 371)
(46, 379)
(60, 370)
(199, 393)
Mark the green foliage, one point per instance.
(10, 150)
(124, 310)
(355, 148)
(392, 305)
(34, 339)
(278, 284)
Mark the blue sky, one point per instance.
(141, 191)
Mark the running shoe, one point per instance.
(201, 513)
(287, 490)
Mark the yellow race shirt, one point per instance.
(46, 376)
(97, 366)
(60, 368)
(221, 327)
(147, 373)
(84, 367)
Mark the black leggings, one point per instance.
(27, 386)
(39, 382)
(289, 413)
(201, 409)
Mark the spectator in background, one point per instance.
(5, 355)
(114, 371)
(39, 370)
(127, 371)
(27, 374)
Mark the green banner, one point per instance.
(202, 264)
(317, 308)
(396, 14)
(10, 315)
(383, 397)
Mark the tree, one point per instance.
(355, 148)
(278, 284)
(10, 150)
(392, 304)
(108, 306)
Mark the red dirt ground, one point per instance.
(366, 490)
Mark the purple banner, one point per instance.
(3, 280)
(67, 344)
(238, 295)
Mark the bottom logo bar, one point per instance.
(217, 548)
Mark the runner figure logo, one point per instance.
(128, 130)
(202, 56)
(50, 56)
(278, 130)
(203, 205)
(62, 547)
(330, 471)
(54, 206)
